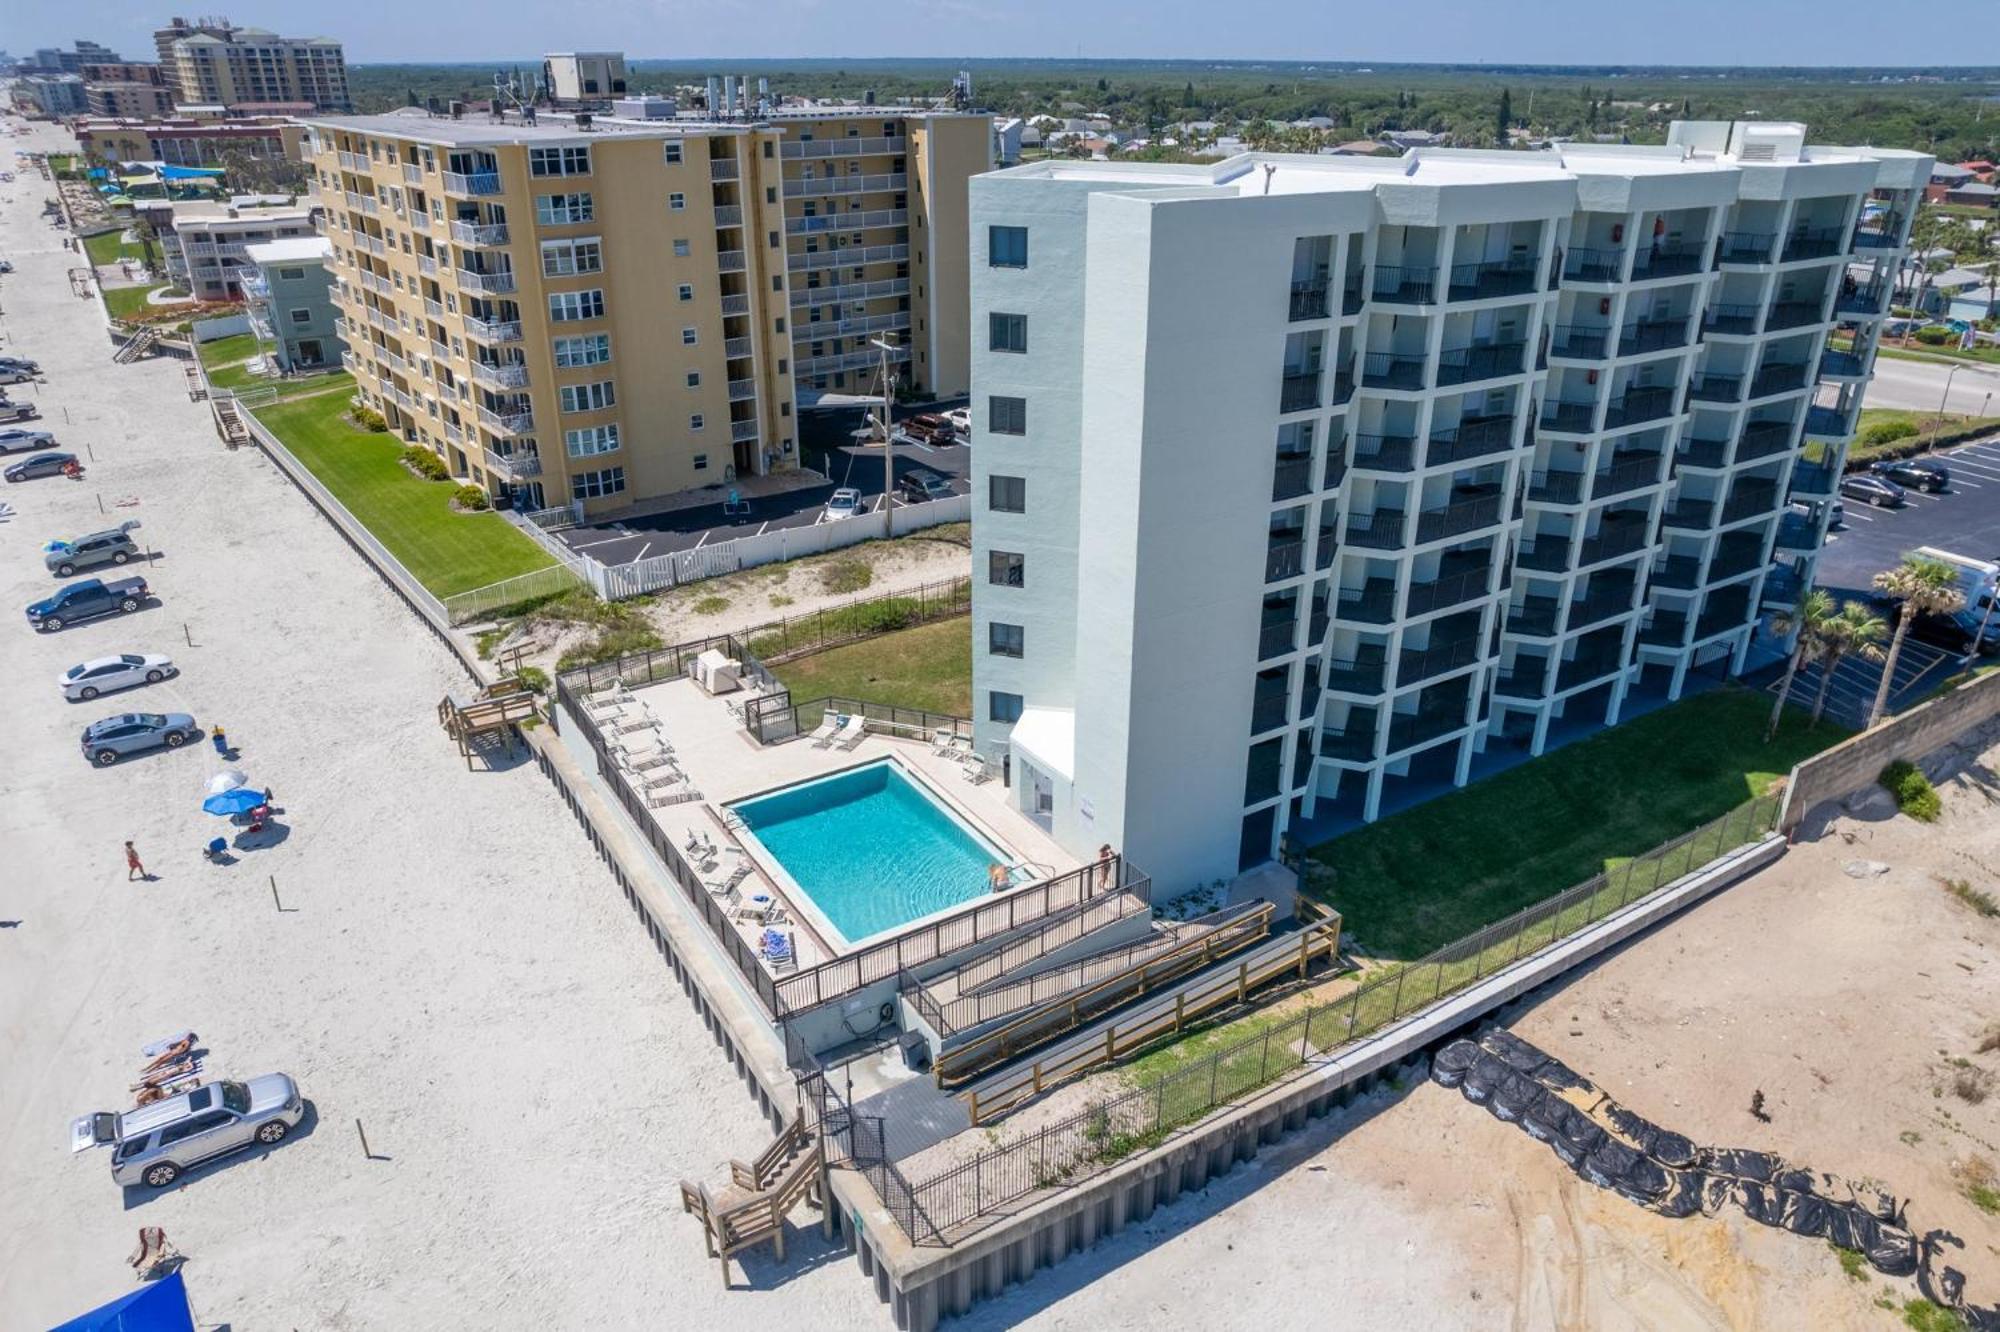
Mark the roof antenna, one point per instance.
(1270, 169)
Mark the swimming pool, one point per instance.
(871, 849)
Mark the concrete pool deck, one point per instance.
(726, 764)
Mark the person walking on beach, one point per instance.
(133, 868)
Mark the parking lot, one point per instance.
(1964, 519)
(632, 539)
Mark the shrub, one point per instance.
(426, 464)
(534, 677)
(1915, 795)
(468, 496)
(845, 576)
(370, 419)
(1888, 432)
(1932, 335)
(710, 606)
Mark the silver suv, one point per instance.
(154, 1144)
(112, 546)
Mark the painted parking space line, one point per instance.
(1991, 473)
(1958, 481)
(642, 552)
(698, 545)
(1864, 517)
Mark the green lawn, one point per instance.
(125, 302)
(227, 351)
(108, 248)
(1951, 426)
(236, 379)
(447, 552)
(927, 667)
(1420, 879)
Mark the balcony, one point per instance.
(1363, 675)
(1404, 285)
(1705, 455)
(479, 234)
(1665, 629)
(1380, 530)
(1556, 487)
(1472, 437)
(412, 174)
(1668, 259)
(373, 244)
(1384, 453)
(1355, 745)
(1285, 558)
(842, 147)
(1494, 277)
(1458, 517)
(1275, 637)
(1427, 663)
(1570, 418)
(1841, 365)
(507, 423)
(1639, 405)
(850, 221)
(1392, 370)
(1728, 616)
(1829, 422)
(485, 284)
(1547, 553)
(1597, 606)
(804, 189)
(1861, 301)
(1407, 730)
(729, 261)
(1885, 233)
(1291, 477)
(848, 256)
(735, 305)
(724, 168)
(742, 390)
(866, 359)
(1677, 573)
(1269, 707)
(1735, 555)
(1627, 473)
(1535, 617)
(852, 291)
(1262, 778)
(1453, 589)
(1299, 392)
(1374, 602)
(1309, 300)
(1735, 320)
(1813, 243)
(1765, 439)
(1343, 387)
(1750, 500)
(473, 183)
(1781, 378)
(1781, 589)
(1465, 365)
(493, 330)
(1587, 668)
(513, 466)
(743, 431)
(1352, 295)
(1798, 532)
(1812, 481)
(1613, 539)
(1793, 314)
(1328, 546)
(1576, 342)
(1649, 335)
(1527, 678)
(500, 376)
(729, 215)
(1746, 247)
(1689, 515)
(1587, 265)
(735, 349)
(1716, 388)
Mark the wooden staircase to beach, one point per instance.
(494, 715)
(137, 345)
(751, 1208)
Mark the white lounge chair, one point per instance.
(641, 760)
(850, 732)
(659, 777)
(975, 772)
(641, 720)
(672, 796)
(829, 726)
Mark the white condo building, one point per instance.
(1300, 481)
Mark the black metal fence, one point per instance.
(1077, 1148)
(853, 621)
(776, 717)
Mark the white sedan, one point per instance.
(15, 439)
(961, 421)
(102, 675)
(843, 503)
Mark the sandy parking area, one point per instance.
(454, 968)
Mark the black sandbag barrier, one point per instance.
(1618, 1149)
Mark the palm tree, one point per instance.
(1808, 622)
(1919, 586)
(1855, 632)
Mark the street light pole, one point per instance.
(1938, 421)
(888, 442)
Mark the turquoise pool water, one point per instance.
(870, 848)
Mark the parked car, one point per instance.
(844, 503)
(920, 485)
(87, 599)
(107, 741)
(113, 546)
(1873, 490)
(1916, 473)
(19, 411)
(6, 265)
(39, 464)
(1954, 633)
(102, 675)
(22, 362)
(155, 1143)
(961, 421)
(16, 438)
(930, 428)
(15, 374)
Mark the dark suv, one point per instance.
(1916, 473)
(921, 485)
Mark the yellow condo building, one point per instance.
(610, 311)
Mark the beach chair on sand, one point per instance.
(850, 732)
(154, 1257)
(829, 725)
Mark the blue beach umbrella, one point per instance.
(241, 800)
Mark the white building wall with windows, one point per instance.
(1219, 637)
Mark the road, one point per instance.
(1919, 386)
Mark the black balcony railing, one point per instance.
(1764, 439)
(1689, 515)
(1410, 729)
(1473, 437)
(1392, 370)
(1354, 745)
(1652, 335)
(1884, 233)
(1745, 247)
(1414, 664)
(1829, 421)
(1300, 392)
(1702, 453)
(1613, 539)
(1327, 548)
(1577, 342)
(1343, 386)
(1547, 553)
(1374, 602)
(1556, 487)
(1730, 318)
(1286, 558)
(1266, 770)
(1841, 365)
(1812, 479)
(1797, 532)
(1748, 500)
(1792, 314)
(1626, 474)
(1535, 617)
(1385, 453)
(1362, 675)
(1665, 629)
(1812, 243)
(1464, 365)
(1734, 558)
(1269, 707)
(1380, 530)
(1668, 259)
(1457, 517)
(1405, 284)
(1352, 295)
(1782, 378)
(1586, 668)
(1493, 277)
(1527, 678)
(1575, 418)
(1640, 404)
(1275, 638)
(1716, 388)
(1721, 619)
(1309, 300)
(1586, 265)
(1453, 589)
(1597, 606)
(1292, 476)
(1861, 300)
(1677, 572)
(1781, 589)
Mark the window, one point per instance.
(566, 307)
(1005, 569)
(677, 201)
(591, 441)
(694, 379)
(673, 154)
(1002, 707)
(559, 161)
(557, 210)
(686, 291)
(695, 421)
(1007, 247)
(688, 337)
(590, 349)
(291, 274)
(596, 485)
(701, 462)
(301, 316)
(1007, 494)
(774, 240)
(1007, 332)
(1004, 640)
(566, 258)
(1006, 416)
(680, 249)
(593, 397)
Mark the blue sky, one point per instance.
(1706, 32)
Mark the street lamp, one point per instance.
(1938, 420)
(888, 441)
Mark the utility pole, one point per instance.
(888, 440)
(1938, 423)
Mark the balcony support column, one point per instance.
(1741, 655)
(1462, 773)
(1680, 676)
(1617, 703)
(1371, 805)
(1541, 740)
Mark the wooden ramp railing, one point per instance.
(751, 1209)
(499, 710)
